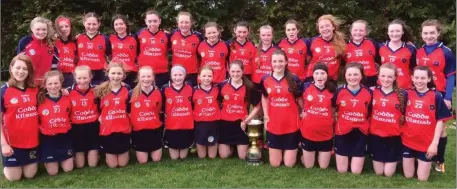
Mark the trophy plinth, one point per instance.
(254, 132)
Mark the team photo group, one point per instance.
(74, 98)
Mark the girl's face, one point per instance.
(153, 22)
(40, 30)
(326, 28)
(266, 36)
(358, 31)
(116, 75)
(177, 77)
(353, 76)
(430, 35)
(236, 73)
(387, 77)
(64, 29)
(212, 34)
(420, 79)
(184, 23)
(241, 33)
(91, 25)
(19, 71)
(278, 61)
(320, 77)
(120, 27)
(291, 31)
(146, 77)
(53, 85)
(395, 32)
(83, 78)
(206, 77)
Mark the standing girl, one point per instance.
(54, 114)
(214, 52)
(280, 90)
(114, 121)
(19, 136)
(241, 48)
(262, 64)
(295, 48)
(425, 115)
(66, 48)
(353, 104)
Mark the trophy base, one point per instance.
(254, 163)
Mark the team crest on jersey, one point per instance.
(106, 103)
(268, 90)
(226, 97)
(100, 47)
(369, 52)
(317, 49)
(45, 112)
(300, 51)
(80, 45)
(70, 152)
(137, 104)
(310, 97)
(202, 54)
(131, 47)
(210, 139)
(193, 44)
(32, 52)
(343, 103)
(436, 63)
(162, 41)
(32, 154)
(432, 107)
(222, 54)
(73, 103)
(169, 101)
(175, 42)
(13, 101)
(397, 106)
(408, 103)
(199, 101)
(143, 40)
(348, 55)
(403, 60)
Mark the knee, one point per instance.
(224, 155)
(275, 163)
(94, 164)
(112, 165)
(356, 172)
(389, 174)
(142, 161)
(422, 178)
(52, 172)
(308, 166)
(80, 165)
(201, 156)
(408, 176)
(66, 170)
(12, 177)
(289, 164)
(157, 159)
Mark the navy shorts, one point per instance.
(287, 141)
(147, 140)
(371, 81)
(85, 136)
(161, 79)
(130, 79)
(56, 148)
(115, 143)
(98, 76)
(316, 146)
(410, 153)
(230, 133)
(179, 139)
(385, 149)
(191, 78)
(21, 157)
(206, 133)
(353, 144)
(68, 80)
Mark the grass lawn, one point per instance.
(197, 173)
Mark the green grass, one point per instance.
(234, 173)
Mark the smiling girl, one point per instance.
(66, 48)
(214, 51)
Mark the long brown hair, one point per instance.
(105, 88)
(57, 28)
(287, 74)
(398, 91)
(239, 24)
(338, 38)
(42, 93)
(355, 65)
(51, 33)
(124, 19)
(431, 85)
(246, 82)
(407, 35)
(28, 82)
(137, 90)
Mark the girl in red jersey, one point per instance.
(388, 104)
(353, 104)
(398, 52)
(94, 48)
(441, 60)
(19, 134)
(84, 118)
(214, 51)
(145, 105)
(179, 122)
(241, 48)
(317, 118)
(124, 47)
(184, 42)
(114, 121)
(280, 90)
(425, 115)
(295, 48)
(206, 113)
(363, 50)
(236, 93)
(54, 115)
(40, 46)
(328, 47)
(262, 64)
(66, 48)
(154, 44)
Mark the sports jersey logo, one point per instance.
(137, 104)
(202, 54)
(408, 103)
(199, 101)
(436, 63)
(32, 154)
(310, 97)
(369, 52)
(175, 42)
(32, 52)
(226, 97)
(131, 46)
(162, 41)
(73, 103)
(80, 45)
(100, 47)
(169, 101)
(317, 49)
(300, 51)
(45, 112)
(222, 54)
(106, 103)
(343, 103)
(193, 44)
(143, 40)
(268, 90)
(210, 139)
(14, 100)
(403, 60)
(432, 107)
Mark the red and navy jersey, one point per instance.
(245, 52)
(364, 53)
(67, 55)
(441, 61)
(403, 58)
(178, 107)
(282, 107)
(153, 50)
(93, 51)
(296, 53)
(317, 105)
(386, 113)
(54, 115)
(124, 50)
(145, 110)
(44, 56)
(184, 50)
(353, 110)
(215, 56)
(114, 113)
(235, 103)
(83, 105)
(423, 111)
(262, 64)
(206, 104)
(20, 116)
(323, 51)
